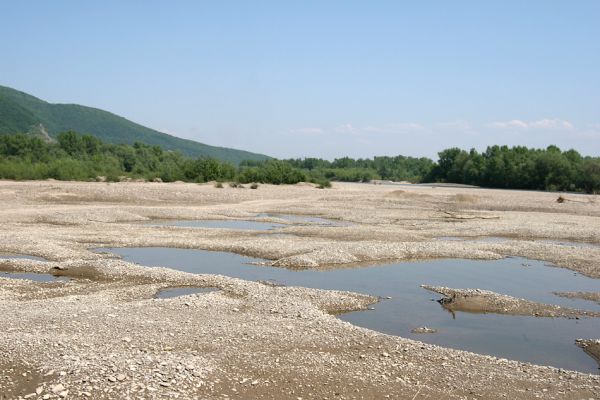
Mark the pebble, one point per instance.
(57, 388)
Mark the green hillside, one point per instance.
(20, 113)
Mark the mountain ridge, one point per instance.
(21, 112)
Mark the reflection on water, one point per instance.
(28, 275)
(543, 341)
(33, 276)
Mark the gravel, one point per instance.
(103, 335)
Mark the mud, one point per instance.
(485, 301)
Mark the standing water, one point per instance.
(38, 277)
(545, 341)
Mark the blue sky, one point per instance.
(320, 78)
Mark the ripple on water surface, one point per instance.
(542, 341)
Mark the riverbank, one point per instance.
(104, 334)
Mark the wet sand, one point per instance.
(591, 347)
(485, 301)
(104, 335)
(590, 296)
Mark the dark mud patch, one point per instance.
(81, 272)
(18, 380)
(485, 301)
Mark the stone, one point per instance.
(57, 388)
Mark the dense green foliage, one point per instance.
(498, 167)
(77, 157)
(347, 169)
(518, 168)
(271, 171)
(20, 112)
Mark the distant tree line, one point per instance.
(518, 168)
(83, 157)
(346, 169)
(497, 167)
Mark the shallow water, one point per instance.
(221, 223)
(33, 276)
(543, 341)
(28, 275)
(182, 291)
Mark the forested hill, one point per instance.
(22, 113)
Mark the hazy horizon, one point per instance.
(321, 79)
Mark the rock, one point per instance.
(424, 329)
(56, 389)
(39, 390)
(121, 377)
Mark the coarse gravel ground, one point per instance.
(103, 335)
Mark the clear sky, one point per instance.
(320, 78)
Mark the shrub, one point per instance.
(322, 183)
